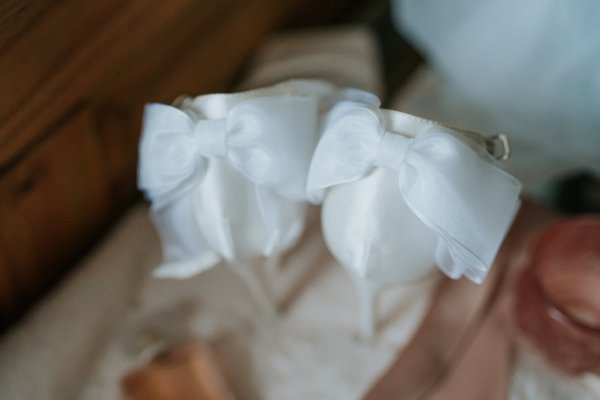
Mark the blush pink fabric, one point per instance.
(463, 348)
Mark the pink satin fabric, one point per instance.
(463, 348)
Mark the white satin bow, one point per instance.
(270, 140)
(467, 201)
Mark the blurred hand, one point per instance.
(185, 372)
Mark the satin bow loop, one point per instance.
(350, 140)
(211, 137)
(467, 201)
(170, 160)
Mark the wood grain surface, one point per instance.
(74, 78)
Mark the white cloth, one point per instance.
(527, 69)
(459, 194)
(79, 342)
(347, 56)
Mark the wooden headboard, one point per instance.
(74, 76)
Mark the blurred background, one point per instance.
(74, 77)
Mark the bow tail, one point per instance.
(449, 260)
(170, 165)
(185, 249)
(468, 202)
(283, 218)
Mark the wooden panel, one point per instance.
(17, 15)
(49, 205)
(75, 76)
(36, 55)
(112, 131)
(203, 57)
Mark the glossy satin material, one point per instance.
(370, 230)
(526, 68)
(466, 201)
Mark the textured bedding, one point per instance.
(82, 339)
(112, 315)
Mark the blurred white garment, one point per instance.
(528, 69)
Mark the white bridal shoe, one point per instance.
(401, 194)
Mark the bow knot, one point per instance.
(392, 151)
(211, 137)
